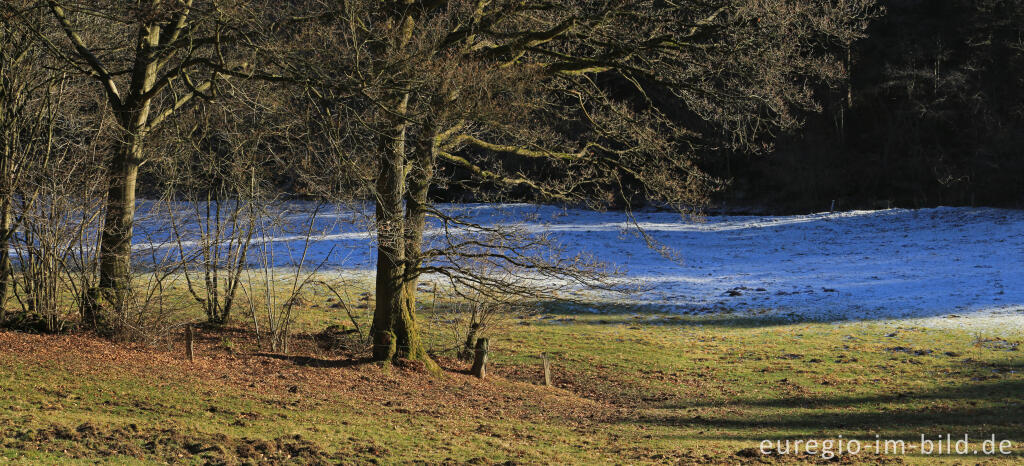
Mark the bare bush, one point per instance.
(274, 283)
(49, 193)
(213, 180)
(462, 318)
(58, 219)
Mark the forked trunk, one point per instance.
(395, 331)
(132, 113)
(400, 234)
(419, 177)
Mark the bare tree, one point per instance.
(212, 177)
(150, 60)
(21, 118)
(571, 101)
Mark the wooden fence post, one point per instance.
(189, 341)
(480, 358)
(547, 369)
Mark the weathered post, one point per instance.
(547, 369)
(480, 358)
(189, 350)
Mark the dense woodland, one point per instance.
(931, 113)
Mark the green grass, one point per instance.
(632, 387)
(733, 383)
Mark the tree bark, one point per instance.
(390, 280)
(400, 232)
(391, 246)
(5, 255)
(400, 240)
(116, 237)
(118, 223)
(419, 175)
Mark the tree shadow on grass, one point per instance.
(978, 408)
(720, 317)
(310, 361)
(579, 313)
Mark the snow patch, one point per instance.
(926, 264)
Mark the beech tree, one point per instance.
(566, 100)
(150, 60)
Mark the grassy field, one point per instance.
(630, 387)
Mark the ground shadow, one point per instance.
(310, 361)
(979, 408)
(598, 313)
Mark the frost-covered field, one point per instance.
(938, 267)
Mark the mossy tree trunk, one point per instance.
(401, 216)
(390, 333)
(400, 227)
(420, 175)
(402, 188)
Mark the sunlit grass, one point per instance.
(680, 387)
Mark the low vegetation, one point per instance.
(629, 386)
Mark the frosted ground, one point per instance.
(941, 267)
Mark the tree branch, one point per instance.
(98, 70)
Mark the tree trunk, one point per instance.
(391, 247)
(395, 332)
(116, 238)
(5, 255)
(419, 176)
(400, 239)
